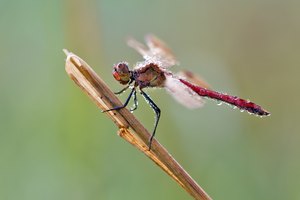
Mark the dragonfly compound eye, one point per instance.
(121, 73)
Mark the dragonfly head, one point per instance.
(122, 73)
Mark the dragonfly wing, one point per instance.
(182, 93)
(160, 51)
(139, 47)
(193, 78)
(155, 52)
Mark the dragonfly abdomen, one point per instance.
(232, 100)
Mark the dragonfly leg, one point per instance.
(157, 116)
(125, 104)
(123, 90)
(135, 102)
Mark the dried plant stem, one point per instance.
(130, 128)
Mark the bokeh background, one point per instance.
(55, 143)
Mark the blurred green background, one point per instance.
(56, 144)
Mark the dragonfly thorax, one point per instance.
(122, 73)
(150, 75)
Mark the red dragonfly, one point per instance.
(153, 72)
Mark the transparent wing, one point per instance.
(193, 78)
(160, 51)
(139, 47)
(155, 52)
(182, 93)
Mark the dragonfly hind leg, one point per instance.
(157, 116)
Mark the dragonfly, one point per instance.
(153, 72)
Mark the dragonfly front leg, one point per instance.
(126, 102)
(124, 89)
(157, 116)
(121, 91)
